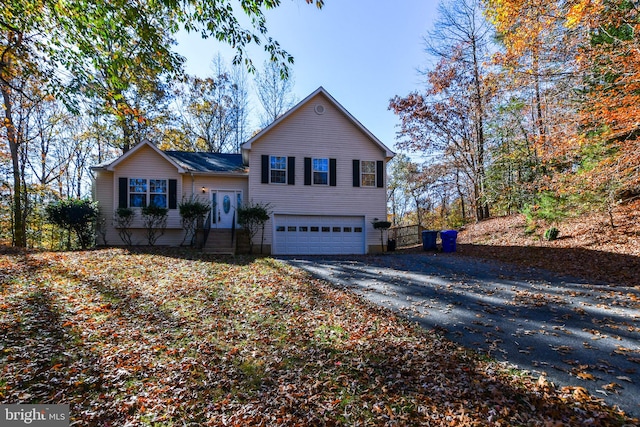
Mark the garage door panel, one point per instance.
(318, 235)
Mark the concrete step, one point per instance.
(219, 242)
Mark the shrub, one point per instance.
(123, 219)
(75, 215)
(252, 217)
(192, 213)
(155, 221)
(381, 225)
(551, 234)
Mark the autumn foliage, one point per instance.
(544, 104)
(598, 39)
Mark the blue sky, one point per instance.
(363, 52)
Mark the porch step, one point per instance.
(219, 243)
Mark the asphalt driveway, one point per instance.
(574, 332)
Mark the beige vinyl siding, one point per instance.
(193, 186)
(148, 164)
(330, 135)
(209, 182)
(103, 192)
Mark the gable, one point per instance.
(318, 119)
(146, 159)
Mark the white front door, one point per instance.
(224, 203)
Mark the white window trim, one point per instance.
(286, 171)
(313, 171)
(148, 192)
(363, 173)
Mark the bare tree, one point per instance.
(449, 118)
(240, 109)
(275, 92)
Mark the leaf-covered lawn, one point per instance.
(177, 338)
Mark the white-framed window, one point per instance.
(368, 173)
(146, 192)
(158, 192)
(320, 171)
(137, 192)
(278, 170)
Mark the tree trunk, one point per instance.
(19, 226)
(483, 211)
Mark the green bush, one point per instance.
(551, 234)
(550, 208)
(381, 225)
(77, 215)
(192, 213)
(252, 217)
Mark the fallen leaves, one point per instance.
(173, 337)
(588, 248)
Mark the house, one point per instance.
(322, 173)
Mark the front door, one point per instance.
(224, 203)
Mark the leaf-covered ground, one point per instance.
(177, 338)
(587, 246)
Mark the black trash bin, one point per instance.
(448, 240)
(391, 245)
(429, 240)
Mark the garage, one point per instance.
(318, 235)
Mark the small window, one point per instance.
(137, 193)
(326, 229)
(143, 192)
(320, 171)
(158, 193)
(357, 230)
(278, 170)
(347, 229)
(303, 228)
(280, 228)
(291, 228)
(315, 229)
(336, 229)
(368, 174)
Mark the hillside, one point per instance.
(587, 246)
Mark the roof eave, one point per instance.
(388, 153)
(111, 166)
(221, 173)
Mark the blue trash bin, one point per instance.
(448, 240)
(429, 240)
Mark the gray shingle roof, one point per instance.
(207, 162)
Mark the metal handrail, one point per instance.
(207, 227)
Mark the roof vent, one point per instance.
(319, 109)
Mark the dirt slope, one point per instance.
(587, 246)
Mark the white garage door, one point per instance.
(318, 235)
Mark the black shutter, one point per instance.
(173, 194)
(380, 173)
(356, 173)
(291, 170)
(307, 171)
(332, 172)
(265, 169)
(123, 189)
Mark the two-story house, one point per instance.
(321, 172)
